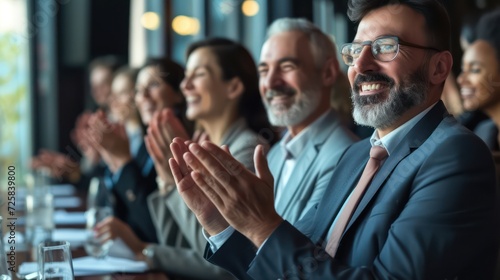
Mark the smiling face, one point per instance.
(480, 78)
(383, 93)
(153, 94)
(122, 98)
(203, 87)
(100, 83)
(290, 83)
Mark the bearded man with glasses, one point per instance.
(423, 207)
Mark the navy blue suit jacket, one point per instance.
(429, 213)
(131, 190)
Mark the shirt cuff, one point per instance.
(219, 239)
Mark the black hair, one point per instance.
(235, 61)
(468, 27)
(171, 72)
(436, 17)
(488, 29)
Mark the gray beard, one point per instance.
(282, 115)
(376, 112)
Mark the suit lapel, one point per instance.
(293, 190)
(302, 166)
(417, 135)
(276, 162)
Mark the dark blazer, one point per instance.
(429, 213)
(131, 191)
(488, 132)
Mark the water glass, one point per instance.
(96, 246)
(39, 217)
(54, 261)
(98, 194)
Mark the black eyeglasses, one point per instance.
(384, 49)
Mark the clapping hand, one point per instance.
(204, 210)
(59, 165)
(110, 140)
(219, 182)
(163, 128)
(80, 137)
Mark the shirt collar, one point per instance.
(293, 146)
(392, 139)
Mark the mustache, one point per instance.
(373, 77)
(280, 91)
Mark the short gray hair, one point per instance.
(322, 45)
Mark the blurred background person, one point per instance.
(451, 92)
(79, 169)
(480, 78)
(122, 107)
(132, 177)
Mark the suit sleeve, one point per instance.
(447, 224)
(186, 262)
(181, 240)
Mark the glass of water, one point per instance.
(39, 217)
(54, 261)
(97, 246)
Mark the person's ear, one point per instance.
(235, 88)
(329, 72)
(440, 67)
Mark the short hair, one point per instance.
(436, 17)
(235, 60)
(172, 72)
(488, 29)
(322, 45)
(111, 62)
(130, 73)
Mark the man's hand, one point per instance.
(244, 200)
(205, 211)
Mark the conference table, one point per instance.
(23, 255)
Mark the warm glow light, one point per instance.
(150, 20)
(250, 8)
(12, 19)
(184, 25)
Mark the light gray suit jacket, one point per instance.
(180, 235)
(313, 168)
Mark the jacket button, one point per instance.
(130, 195)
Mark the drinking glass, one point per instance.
(98, 194)
(54, 261)
(39, 217)
(96, 246)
